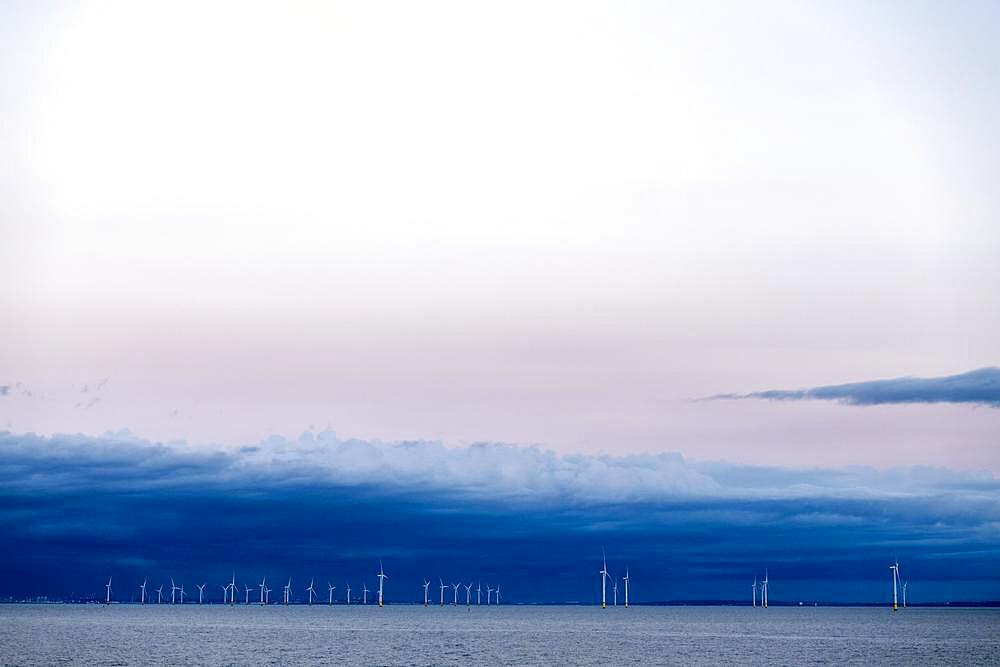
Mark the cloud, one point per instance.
(976, 387)
(73, 507)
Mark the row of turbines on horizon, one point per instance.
(229, 592)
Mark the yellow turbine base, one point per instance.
(604, 606)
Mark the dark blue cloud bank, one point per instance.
(976, 387)
(76, 509)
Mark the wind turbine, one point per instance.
(626, 588)
(456, 586)
(427, 585)
(489, 592)
(142, 596)
(348, 594)
(107, 599)
(159, 594)
(754, 592)
(904, 594)
(201, 592)
(479, 593)
(895, 578)
(468, 596)
(498, 594)
(267, 596)
(614, 587)
(173, 591)
(364, 593)
(604, 583)
(382, 576)
(246, 600)
(232, 591)
(331, 589)
(225, 593)
(443, 586)
(288, 590)
(263, 583)
(182, 593)
(763, 593)
(311, 590)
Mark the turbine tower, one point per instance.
(498, 594)
(288, 590)
(225, 593)
(443, 586)
(107, 598)
(348, 594)
(267, 596)
(455, 599)
(331, 588)
(142, 595)
(263, 584)
(489, 592)
(427, 585)
(614, 588)
(183, 593)
(904, 594)
(364, 593)
(159, 594)
(312, 591)
(479, 593)
(626, 587)
(754, 587)
(763, 593)
(173, 591)
(232, 591)
(604, 584)
(468, 596)
(201, 592)
(246, 601)
(382, 576)
(895, 579)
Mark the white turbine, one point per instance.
(754, 588)
(201, 592)
(312, 591)
(895, 580)
(455, 599)
(479, 594)
(427, 585)
(468, 595)
(288, 590)
(626, 588)
(142, 595)
(246, 600)
(330, 588)
(604, 584)
(904, 594)
(489, 592)
(382, 576)
(364, 593)
(263, 584)
(159, 594)
(232, 591)
(183, 593)
(498, 595)
(107, 598)
(443, 586)
(173, 591)
(267, 596)
(225, 593)
(614, 588)
(348, 594)
(763, 593)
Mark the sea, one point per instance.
(191, 634)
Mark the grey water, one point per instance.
(513, 635)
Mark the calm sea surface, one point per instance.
(405, 635)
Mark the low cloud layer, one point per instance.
(74, 509)
(976, 387)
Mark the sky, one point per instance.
(757, 239)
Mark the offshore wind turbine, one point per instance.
(754, 587)
(312, 591)
(142, 595)
(183, 593)
(443, 586)
(263, 583)
(456, 586)
(201, 592)
(225, 593)
(159, 594)
(427, 585)
(382, 576)
(364, 593)
(604, 584)
(895, 579)
(246, 600)
(267, 596)
(330, 588)
(626, 587)
(498, 594)
(232, 591)
(904, 594)
(763, 593)
(479, 593)
(489, 592)
(288, 590)
(468, 595)
(173, 591)
(107, 599)
(614, 588)
(348, 594)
